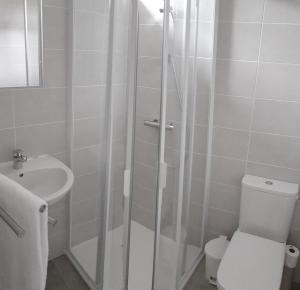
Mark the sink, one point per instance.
(45, 176)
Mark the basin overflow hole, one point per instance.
(21, 175)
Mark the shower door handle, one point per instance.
(155, 123)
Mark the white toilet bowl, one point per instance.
(251, 263)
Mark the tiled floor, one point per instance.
(63, 276)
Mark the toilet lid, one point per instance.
(251, 263)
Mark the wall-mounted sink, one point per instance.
(44, 176)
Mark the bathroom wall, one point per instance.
(34, 119)
(257, 104)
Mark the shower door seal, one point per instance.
(131, 114)
(162, 168)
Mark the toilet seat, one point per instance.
(251, 263)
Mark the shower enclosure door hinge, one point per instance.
(163, 175)
(127, 176)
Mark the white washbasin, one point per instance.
(45, 176)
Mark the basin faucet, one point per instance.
(19, 157)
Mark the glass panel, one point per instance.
(89, 136)
(20, 43)
(197, 135)
(118, 113)
(170, 207)
(146, 145)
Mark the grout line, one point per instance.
(255, 86)
(40, 124)
(254, 61)
(255, 162)
(258, 22)
(255, 132)
(13, 99)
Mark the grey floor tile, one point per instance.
(54, 280)
(69, 274)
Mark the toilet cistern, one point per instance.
(19, 157)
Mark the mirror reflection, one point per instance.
(20, 43)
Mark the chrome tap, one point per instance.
(19, 157)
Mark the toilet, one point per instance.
(254, 259)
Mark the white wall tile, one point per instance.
(41, 139)
(200, 139)
(56, 3)
(225, 197)
(41, 106)
(144, 197)
(206, 10)
(89, 30)
(91, 5)
(278, 11)
(199, 166)
(89, 68)
(88, 132)
(204, 76)
(150, 40)
(205, 40)
(230, 143)
(235, 78)
(276, 150)
(280, 43)
(84, 211)
(57, 245)
(232, 112)
(86, 161)
(148, 102)
(145, 175)
(277, 117)
(239, 40)
(84, 231)
(241, 10)
(228, 171)
(278, 81)
(149, 72)
(275, 172)
(89, 102)
(7, 144)
(6, 109)
(222, 221)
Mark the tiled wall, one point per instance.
(257, 104)
(35, 119)
(88, 108)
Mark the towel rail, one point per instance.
(19, 231)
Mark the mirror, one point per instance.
(20, 43)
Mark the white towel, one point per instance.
(23, 261)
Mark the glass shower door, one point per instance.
(173, 255)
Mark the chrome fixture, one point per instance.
(52, 221)
(19, 231)
(155, 123)
(15, 227)
(19, 157)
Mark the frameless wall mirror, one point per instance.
(20, 43)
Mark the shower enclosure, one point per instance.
(137, 143)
